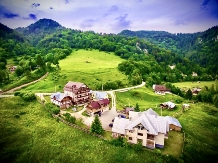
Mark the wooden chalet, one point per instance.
(168, 105)
(173, 123)
(62, 100)
(96, 106)
(160, 89)
(79, 92)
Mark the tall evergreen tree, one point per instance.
(137, 107)
(96, 126)
(188, 94)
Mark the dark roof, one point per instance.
(106, 101)
(95, 105)
(161, 88)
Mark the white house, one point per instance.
(146, 127)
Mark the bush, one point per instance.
(55, 110)
(16, 116)
(118, 142)
(28, 96)
(52, 108)
(138, 147)
(69, 118)
(16, 93)
(158, 152)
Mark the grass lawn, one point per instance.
(30, 134)
(147, 99)
(200, 124)
(187, 85)
(100, 67)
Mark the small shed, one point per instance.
(173, 123)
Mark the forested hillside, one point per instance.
(46, 42)
(200, 47)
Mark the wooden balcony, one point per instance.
(150, 143)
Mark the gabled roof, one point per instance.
(154, 124)
(149, 119)
(173, 121)
(100, 95)
(95, 105)
(73, 86)
(170, 104)
(59, 96)
(119, 125)
(106, 101)
(160, 88)
(151, 112)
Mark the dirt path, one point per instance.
(24, 85)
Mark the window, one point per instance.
(150, 137)
(140, 134)
(131, 131)
(130, 138)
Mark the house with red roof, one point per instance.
(96, 106)
(161, 89)
(79, 92)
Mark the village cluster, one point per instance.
(146, 127)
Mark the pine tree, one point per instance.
(96, 126)
(137, 107)
(188, 95)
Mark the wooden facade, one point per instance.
(61, 100)
(79, 92)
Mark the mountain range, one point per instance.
(191, 52)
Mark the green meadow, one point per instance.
(187, 85)
(30, 134)
(146, 99)
(199, 122)
(89, 67)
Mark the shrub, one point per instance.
(55, 110)
(138, 147)
(16, 116)
(28, 96)
(158, 152)
(16, 93)
(118, 142)
(69, 118)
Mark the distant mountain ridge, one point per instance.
(48, 36)
(38, 30)
(200, 47)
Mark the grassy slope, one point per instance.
(102, 67)
(199, 124)
(186, 85)
(147, 99)
(37, 137)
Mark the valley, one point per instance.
(106, 62)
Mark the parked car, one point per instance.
(121, 116)
(98, 113)
(111, 125)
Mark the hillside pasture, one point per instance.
(146, 99)
(189, 85)
(91, 67)
(30, 134)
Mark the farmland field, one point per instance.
(147, 99)
(89, 67)
(187, 85)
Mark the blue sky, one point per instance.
(113, 16)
